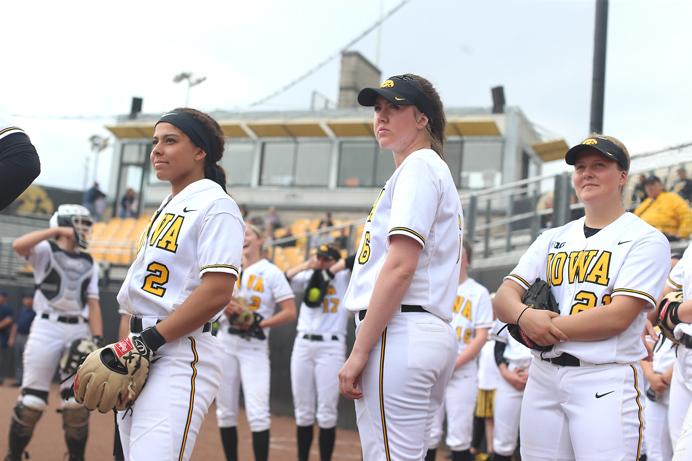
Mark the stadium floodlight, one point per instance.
(98, 145)
(191, 81)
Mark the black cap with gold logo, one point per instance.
(607, 145)
(402, 90)
(329, 251)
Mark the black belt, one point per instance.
(63, 318)
(318, 337)
(564, 360)
(686, 341)
(404, 308)
(136, 325)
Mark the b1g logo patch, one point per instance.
(123, 347)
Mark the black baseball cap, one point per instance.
(606, 145)
(402, 90)
(329, 251)
(652, 179)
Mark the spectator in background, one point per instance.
(683, 186)
(128, 204)
(244, 211)
(6, 315)
(20, 333)
(272, 221)
(326, 221)
(639, 193)
(94, 200)
(666, 211)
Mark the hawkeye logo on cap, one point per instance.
(387, 84)
(590, 141)
(324, 248)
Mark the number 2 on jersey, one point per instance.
(156, 278)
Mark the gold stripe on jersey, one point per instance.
(639, 412)
(10, 130)
(384, 420)
(191, 405)
(408, 230)
(673, 284)
(637, 292)
(219, 266)
(519, 279)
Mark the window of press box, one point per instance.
(363, 164)
(237, 161)
(289, 163)
(481, 164)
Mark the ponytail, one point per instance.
(216, 173)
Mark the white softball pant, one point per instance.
(507, 411)
(588, 412)
(657, 433)
(315, 368)
(244, 363)
(459, 405)
(403, 385)
(167, 415)
(679, 416)
(47, 341)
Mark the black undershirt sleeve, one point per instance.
(350, 261)
(19, 166)
(500, 352)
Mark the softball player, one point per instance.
(182, 278)
(679, 414)
(67, 309)
(318, 353)
(262, 286)
(473, 316)
(658, 375)
(583, 398)
(488, 377)
(405, 278)
(512, 360)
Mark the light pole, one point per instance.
(98, 145)
(191, 81)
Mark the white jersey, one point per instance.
(680, 279)
(330, 318)
(41, 260)
(472, 310)
(627, 257)
(262, 285)
(664, 355)
(199, 230)
(419, 201)
(488, 373)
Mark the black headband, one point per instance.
(189, 125)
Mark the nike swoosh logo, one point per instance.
(185, 210)
(397, 98)
(598, 396)
(624, 241)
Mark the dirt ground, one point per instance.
(48, 443)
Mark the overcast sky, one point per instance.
(68, 68)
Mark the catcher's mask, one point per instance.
(76, 217)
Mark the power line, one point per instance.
(332, 56)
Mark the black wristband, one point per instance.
(152, 338)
